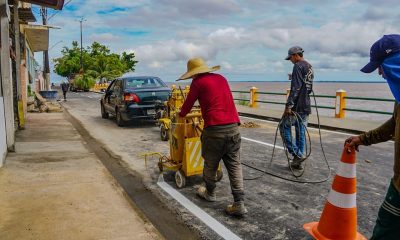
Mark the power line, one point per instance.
(59, 11)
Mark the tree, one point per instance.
(69, 64)
(98, 61)
(128, 60)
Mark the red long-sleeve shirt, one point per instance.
(215, 98)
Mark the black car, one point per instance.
(130, 98)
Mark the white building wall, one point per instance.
(3, 142)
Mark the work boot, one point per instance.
(297, 163)
(204, 194)
(236, 209)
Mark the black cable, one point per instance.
(287, 154)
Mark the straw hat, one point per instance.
(197, 66)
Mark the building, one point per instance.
(18, 41)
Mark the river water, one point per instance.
(372, 90)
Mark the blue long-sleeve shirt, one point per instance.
(301, 87)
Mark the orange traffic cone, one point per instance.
(339, 217)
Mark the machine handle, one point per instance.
(193, 115)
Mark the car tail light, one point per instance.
(131, 97)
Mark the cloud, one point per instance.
(170, 51)
(202, 9)
(226, 65)
(104, 37)
(245, 37)
(176, 12)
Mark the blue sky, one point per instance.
(248, 38)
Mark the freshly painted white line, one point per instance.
(216, 226)
(263, 143)
(322, 130)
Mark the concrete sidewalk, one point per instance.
(345, 124)
(53, 187)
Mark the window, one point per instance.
(150, 82)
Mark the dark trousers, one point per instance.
(65, 95)
(223, 142)
(387, 225)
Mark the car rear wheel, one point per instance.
(104, 114)
(120, 121)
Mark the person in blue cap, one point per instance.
(385, 56)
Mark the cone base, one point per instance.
(312, 229)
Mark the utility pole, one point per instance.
(80, 21)
(46, 64)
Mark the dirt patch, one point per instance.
(249, 125)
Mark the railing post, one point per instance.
(253, 97)
(340, 104)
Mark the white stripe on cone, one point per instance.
(346, 170)
(342, 200)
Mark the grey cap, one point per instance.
(294, 50)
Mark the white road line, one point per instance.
(212, 223)
(263, 143)
(89, 96)
(322, 130)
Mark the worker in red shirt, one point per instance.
(221, 137)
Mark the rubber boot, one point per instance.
(236, 209)
(204, 194)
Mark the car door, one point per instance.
(116, 95)
(107, 97)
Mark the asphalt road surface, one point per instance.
(277, 208)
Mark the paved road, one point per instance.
(277, 208)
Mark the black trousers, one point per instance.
(223, 142)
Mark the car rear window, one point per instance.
(143, 83)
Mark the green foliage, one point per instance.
(84, 82)
(69, 64)
(30, 93)
(98, 62)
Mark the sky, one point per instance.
(248, 38)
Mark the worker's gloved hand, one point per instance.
(353, 141)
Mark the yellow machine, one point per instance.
(184, 138)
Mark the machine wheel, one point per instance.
(104, 114)
(163, 133)
(180, 179)
(120, 121)
(220, 174)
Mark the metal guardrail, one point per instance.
(340, 101)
